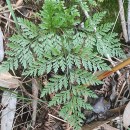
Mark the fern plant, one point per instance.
(72, 53)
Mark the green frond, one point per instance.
(28, 28)
(73, 108)
(21, 50)
(60, 98)
(54, 15)
(56, 83)
(109, 44)
(71, 53)
(83, 77)
(94, 63)
(104, 28)
(83, 90)
(97, 17)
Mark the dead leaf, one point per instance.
(8, 81)
(106, 127)
(9, 101)
(126, 116)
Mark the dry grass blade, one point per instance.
(114, 69)
(57, 118)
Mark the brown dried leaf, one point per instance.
(108, 127)
(105, 127)
(8, 81)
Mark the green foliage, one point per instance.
(72, 54)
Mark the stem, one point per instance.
(35, 89)
(123, 22)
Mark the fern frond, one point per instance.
(83, 78)
(94, 63)
(104, 28)
(28, 28)
(60, 98)
(82, 90)
(109, 44)
(57, 45)
(73, 108)
(21, 50)
(97, 17)
(56, 83)
(54, 9)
